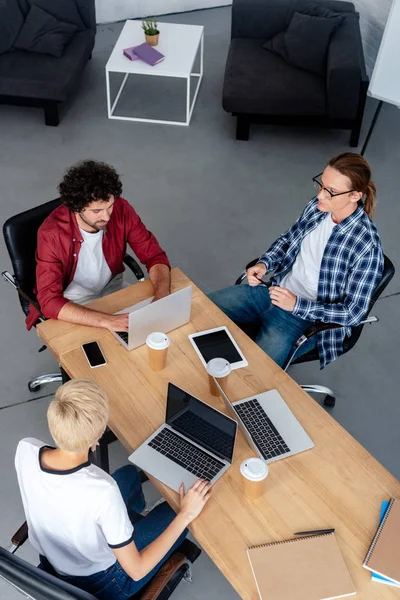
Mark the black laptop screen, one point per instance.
(200, 423)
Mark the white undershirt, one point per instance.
(303, 278)
(73, 516)
(92, 271)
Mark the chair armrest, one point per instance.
(242, 276)
(345, 70)
(134, 267)
(19, 538)
(163, 576)
(13, 281)
(319, 326)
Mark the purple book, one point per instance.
(129, 53)
(148, 54)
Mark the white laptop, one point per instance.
(163, 315)
(269, 425)
(196, 441)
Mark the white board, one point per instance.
(385, 80)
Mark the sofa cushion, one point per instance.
(32, 75)
(43, 33)
(11, 21)
(63, 10)
(306, 41)
(260, 82)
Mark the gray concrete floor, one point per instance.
(214, 203)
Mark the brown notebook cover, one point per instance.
(305, 568)
(384, 554)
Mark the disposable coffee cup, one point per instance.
(218, 369)
(254, 472)
(157, 344)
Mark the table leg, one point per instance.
(200, 76)
(108, 93)
(188, 100)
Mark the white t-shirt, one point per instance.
(92, 271)
(303, 278)
(74, 517)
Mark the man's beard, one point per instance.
(94, 226)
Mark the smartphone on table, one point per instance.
(94, 355)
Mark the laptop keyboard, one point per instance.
(124, 335)
(262, 430)
(204, 433)
(186, 455)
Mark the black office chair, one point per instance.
(20, 235)
(329, 400)
(37, 584)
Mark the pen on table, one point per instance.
(316, 532)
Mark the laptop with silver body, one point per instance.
(146, 316)
(196, 441)
(269, 425)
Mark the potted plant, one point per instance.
(151, 32)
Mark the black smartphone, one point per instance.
(94, 354)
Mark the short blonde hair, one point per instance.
(78, 415)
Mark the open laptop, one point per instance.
(163, 315)
(269, 425)
(195, 442)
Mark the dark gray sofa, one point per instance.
(41, 80)
(260, 86)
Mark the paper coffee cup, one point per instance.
(254, 472)
(218, 368)
(157, 344)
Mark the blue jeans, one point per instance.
(114, 583)
(278, 329)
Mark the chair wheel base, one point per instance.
(330, 401)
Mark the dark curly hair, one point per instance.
(88, 181)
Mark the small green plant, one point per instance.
(149, 26)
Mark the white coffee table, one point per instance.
(180, 45)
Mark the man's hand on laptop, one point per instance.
(192, 503)
(254, 274)
(116, 322)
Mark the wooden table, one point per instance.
(336, 484)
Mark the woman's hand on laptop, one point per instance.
(192, 503)
(117, 322)
(255, 273)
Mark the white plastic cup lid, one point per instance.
(218, 367)
(254, 469)
(158, 340)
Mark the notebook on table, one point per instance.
(383, 557)
(375, 576)
(148, 54)
(305, 568)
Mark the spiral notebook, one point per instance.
(384, 554)
(305, 568)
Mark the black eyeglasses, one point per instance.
(318, 186)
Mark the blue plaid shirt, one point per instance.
(351, 268)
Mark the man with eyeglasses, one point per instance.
(325, 268)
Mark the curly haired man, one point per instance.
(81, 246)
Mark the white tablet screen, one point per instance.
(217, 344)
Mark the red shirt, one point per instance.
(59, 244)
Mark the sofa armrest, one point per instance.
(345, 70)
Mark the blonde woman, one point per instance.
(79, 516)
